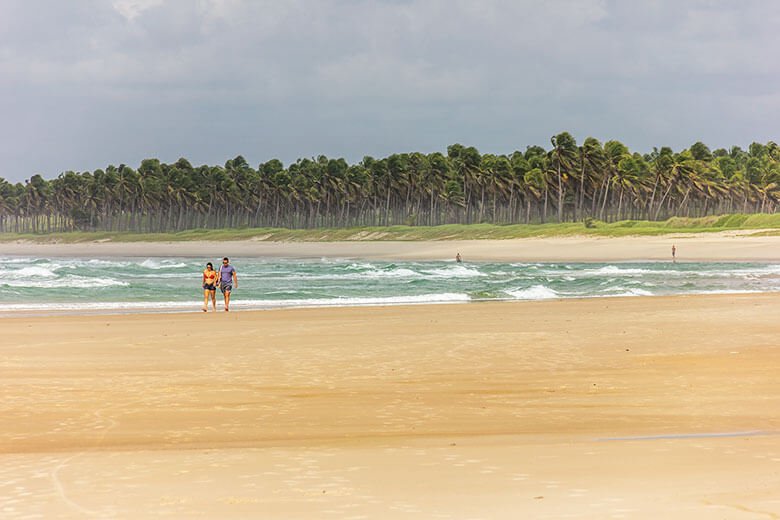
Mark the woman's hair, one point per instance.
(209, 265)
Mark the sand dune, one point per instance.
(605, 408)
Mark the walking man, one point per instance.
(227, 280)
(674, 254)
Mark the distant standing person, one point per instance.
(458, 258)
(227, 281)
(674, 254)
(209, 287)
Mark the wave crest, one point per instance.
(536, 292)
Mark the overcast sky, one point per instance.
(87, 83)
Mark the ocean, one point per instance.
(46, 285)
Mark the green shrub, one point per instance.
(762, 220)
(731, 221)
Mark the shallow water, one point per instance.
(125, 284)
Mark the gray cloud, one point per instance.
(88, 82)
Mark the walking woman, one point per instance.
(209, 287)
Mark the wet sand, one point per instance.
(602, 408)
(726, 246)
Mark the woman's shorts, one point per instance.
(209, 287)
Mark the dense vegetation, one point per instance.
(756, 224)
(567, 183)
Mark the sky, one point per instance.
(88, 83)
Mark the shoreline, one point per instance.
(499, 410)
(727, 246)
(194, 308)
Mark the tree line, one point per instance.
(566, 182)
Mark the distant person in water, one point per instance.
(458, 258)
(227, 281)
(209, 287)
(674, 254)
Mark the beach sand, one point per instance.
(737, 245)
(659, 407)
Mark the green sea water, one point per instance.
(40, 285)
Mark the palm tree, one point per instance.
(460, 186)
(614, 151)
(563, 156)
(466, 163)
(592, 162)
(675, 171)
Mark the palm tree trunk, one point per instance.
(606, 197)
(581, 194)
(663, 198)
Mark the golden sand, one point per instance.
(602, 408)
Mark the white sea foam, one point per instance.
(245, 304)
(16, 260)
(612, 270)
(399, 272)
(98, 262)
(733, 291)
(75, 282)
(83, 281)
(32, 271)
(97, 306)
(359, 301)
(373, 274)
(537, 292)
(163, 264)
(631, 292)
(56, 266)
(763, 271)
(456, 271)
(359, 266)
